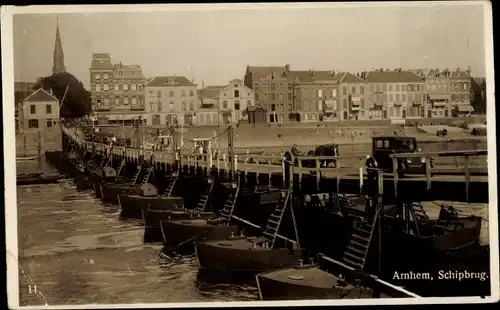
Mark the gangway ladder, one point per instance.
(274, 222)
(356, 252)
(137, 174)
(202, 203)
(170, 188)
(229, 206)
(122, 164)
(148, 172)
(418, 214)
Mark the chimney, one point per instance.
(51, 92)
(332, 73)
(287, 67)
(469, 70)
(202, 84)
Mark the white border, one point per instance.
(10, 157)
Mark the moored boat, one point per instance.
(28, 175)
(39, 180)
(133, 205)
(110, 191)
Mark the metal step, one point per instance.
(268, 234)
(354, 256)
(361, 245)
(351, 263)
(275, 216)
(353, 249)
(273, 222)
(362, 231)
(367, 240)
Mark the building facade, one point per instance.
(352, 103)
(460, 92)
(234, 100)
(314, 96)
(395, 94)
(225, 104)
(437, 93)
(39, 111)
(117, 92)
(478, 95)
(273, 90)
(170, 100)
(207, 113)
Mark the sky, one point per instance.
(216, 46)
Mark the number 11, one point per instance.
(32, 289)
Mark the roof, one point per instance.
(422, 72)
(393, 77)
(159, 81)
(310, 76)
(459, 74)
(210, 92)
(257, 70)
(122, 67)
(40, 95)
(347, 77)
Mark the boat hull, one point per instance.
(82, 181)
(111, 191)
(39, 180)
(240, 256)
(306, 283)
(132, 205)
(178, 231)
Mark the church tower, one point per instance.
(58, 53)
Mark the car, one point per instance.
(383, 147)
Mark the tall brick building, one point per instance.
(273, 90)
(116, 89)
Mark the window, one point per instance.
(32, 109)
(98, 87)
(397, 87)
(133, 86)
(273, 86)
(191, 106)
(130, 101)
(106, 87)
(362, 101)
(320, 93)
(48, 109)
(249, 102)
(106, 101)
(345, 104)
(97, 76)
(410, 87)
(334, 93)
(106, 76)
(49, 124)
(410, 97)
(237, 105)
(33, 123)
(353, 89)
(344, 90)
(391, 98)
(255, 86)
(184, 106)
(362, 90)
(125, 86)
(201, 117)
(384, 87)
(224, 104)
(273, 97)
(183, 93)
(117, 87)
(191, 93)
(280, 96)
(403, 87)
(390, 87)
(403, 97)
(171, 106)
(236, 94)
(465, 86)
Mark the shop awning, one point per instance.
(439, 97)
(465, 108)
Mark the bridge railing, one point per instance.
(430, 171)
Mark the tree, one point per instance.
(76, 103)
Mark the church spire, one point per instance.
(58, 53)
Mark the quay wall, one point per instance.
(27, 142)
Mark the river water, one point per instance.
(77, 250)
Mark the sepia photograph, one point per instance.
(258, 154)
